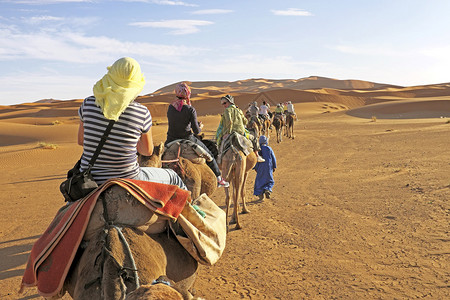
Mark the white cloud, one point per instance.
(167, 2)
(163, 2)
(292, 12)
(212, 12)
(40, 19)
(75, 47)
(180, 26)
(42, 2)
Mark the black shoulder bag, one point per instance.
(79, 184)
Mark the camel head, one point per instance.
(161, 288)
(153, 160)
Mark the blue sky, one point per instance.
(59, 48)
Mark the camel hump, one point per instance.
(188, 149)
(126, 210)
(241, 142)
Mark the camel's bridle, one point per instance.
(125, 272)
(176, 163)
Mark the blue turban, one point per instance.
(263, 140)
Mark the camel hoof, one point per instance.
(238, 227)
(245, 211)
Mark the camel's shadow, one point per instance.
(14, 256)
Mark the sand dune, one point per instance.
(405, 109)
(359, 209)
(260, 84)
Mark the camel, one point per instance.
(290, 118)
(278, 123)
(235, 167)
(198, 177)
(265, 126)
(116, 258)
(254, 126)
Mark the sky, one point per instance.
(58, 49)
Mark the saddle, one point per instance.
(256, 120)
(279, 116)
(263, 117)
(186, 149)
(238, 141)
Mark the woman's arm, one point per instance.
(80, 133)
(195, 126)
(227, 122)
(145, 143)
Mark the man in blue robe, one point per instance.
(264, 170)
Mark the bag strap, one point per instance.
(101, 143)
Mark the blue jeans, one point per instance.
(160, 175)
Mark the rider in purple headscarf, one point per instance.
(183, 124)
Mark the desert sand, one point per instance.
(360, 208)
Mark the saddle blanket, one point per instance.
(52, 254)
(186, 149)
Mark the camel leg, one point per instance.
(236, 204)
(226, 169)
(234, 216)
(227, 203)
(245, 210)
(239, 188)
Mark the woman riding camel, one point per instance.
(253, 111)
(233, 120)
(183, 124)
(279, 111)
(131, 133)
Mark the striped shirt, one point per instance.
(118, 156)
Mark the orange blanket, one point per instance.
(53, 253)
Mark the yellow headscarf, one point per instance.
(119, 87)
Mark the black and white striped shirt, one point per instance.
(118, 157)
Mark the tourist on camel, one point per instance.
(264, 181)
(131, 133)
(290, 108)
(233, 120)
(183, 124)
(264, 111)
(279, 111)
(253, 112)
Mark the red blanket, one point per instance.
(53, 253)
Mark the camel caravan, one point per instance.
(135, 239)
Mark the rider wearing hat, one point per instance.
(233, 120)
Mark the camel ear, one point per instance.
(158, 150)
